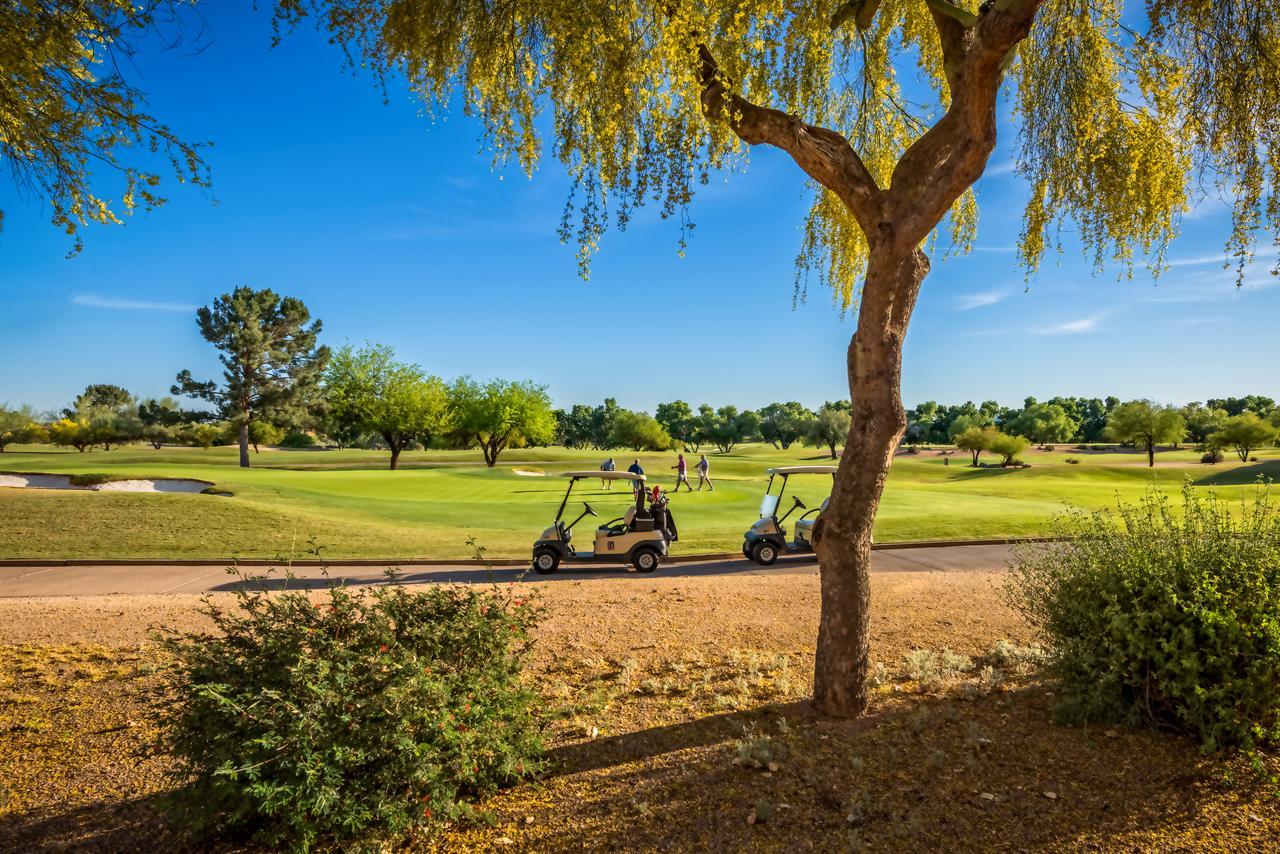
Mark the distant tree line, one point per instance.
(279, 387)
(676, 425)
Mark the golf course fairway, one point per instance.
(350, 505)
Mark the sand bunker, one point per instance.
(529, 472)
(62, 481)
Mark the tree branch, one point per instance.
(824, 155)
(950, 157)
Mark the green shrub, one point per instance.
(1166, 614)
(350, 721)
(298, 439)
(1008, 447)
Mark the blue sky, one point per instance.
(394, 229)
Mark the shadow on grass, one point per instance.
(1243, 475)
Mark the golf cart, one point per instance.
(638, 538)
(768, 538)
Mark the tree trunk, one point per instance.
(396, 448)
(244, 443)
(843, 535)
(1151, 454)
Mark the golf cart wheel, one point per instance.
(545, 561)
(764, 553)
(646, 560)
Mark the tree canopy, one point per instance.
(499, 413)
(67, 108)
(370, 388)
(267, 347)
(1123, 109)
(1243, 433)
(1146, 424)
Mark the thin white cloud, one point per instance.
(1199, 321)
(1220, 259)
(1005, 167)
(1006, 250)
(1072, 327)
(965, 302)
(95, 301)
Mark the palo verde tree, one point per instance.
(380, 394)
(270, 361)
(68, 108)
(1121, 105)
(1147, 425)
(501, 414)
(1244, 433)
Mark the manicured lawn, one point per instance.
(350, 504)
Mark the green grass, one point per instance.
(350, 504)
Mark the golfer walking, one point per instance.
(704, 473)
(608, 465)
(682, 474)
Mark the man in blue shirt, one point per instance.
(634, 468)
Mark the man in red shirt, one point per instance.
(682, 474)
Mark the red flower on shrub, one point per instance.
(382, 648)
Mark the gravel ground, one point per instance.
(669, 678)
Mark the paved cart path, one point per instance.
(98, 580)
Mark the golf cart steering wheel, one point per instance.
(799, 503)
(589, 510)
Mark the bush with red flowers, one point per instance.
(355, 719)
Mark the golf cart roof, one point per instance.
(604, 475)
(802, 470)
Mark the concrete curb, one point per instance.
(496, 562)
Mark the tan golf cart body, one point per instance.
(640, 537)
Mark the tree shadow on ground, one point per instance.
(505, 575)
(916, 774)
(107, 826)
(1243, 475)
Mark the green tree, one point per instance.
(1244, 434)
(67, 107)
(782, 424)
(270, 360)
(1202, 421)
(1044, 424)
(103, 395)
(574, 428)
(964, 423)
(17, 426)
(110, 426)
(1008, 447)
(1146, 425)
(681, 424)
(202, 434)
(726, 428)
(161, 420)
(72, 433)
(602, 423)
(975, 440)
(829, 428)
(639, 431)
(499, 414)
(107, 414)
(1120, 104)
(383, 395)
(1255, 403)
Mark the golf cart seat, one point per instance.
(631, 521)
(804, 525)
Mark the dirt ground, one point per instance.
(683, 726)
